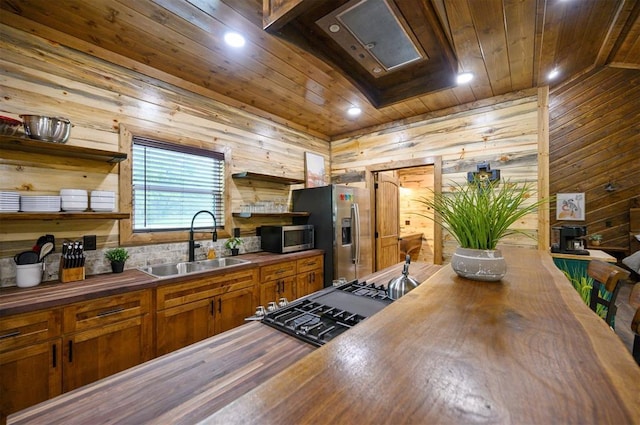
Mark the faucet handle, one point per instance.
(196, 245)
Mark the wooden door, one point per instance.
(29, 375)
(275, 289)
(232, 308)
(387, 220)
(309, 282)
(310, 275)
(105, 336)
(183, 325)
(100, 352)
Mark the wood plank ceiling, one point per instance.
(509, 45)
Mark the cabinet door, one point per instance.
(309, 283)
(276, 289)
(29, 375)
(310, 275)
(183, 325)
(100, 352)
(232, 308)
(105, 336)
(30, 368)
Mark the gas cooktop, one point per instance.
(322, 316)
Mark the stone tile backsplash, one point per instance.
(139, 256)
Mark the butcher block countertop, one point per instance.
(525, 350)
(190, 384)
(52, 294)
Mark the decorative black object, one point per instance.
(235, 251)
(483, 174)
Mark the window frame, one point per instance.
(127, 237)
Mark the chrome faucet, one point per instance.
(192, 244)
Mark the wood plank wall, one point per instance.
(595, 140)
(504, 133)
(43, 78)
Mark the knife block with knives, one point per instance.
(72, 262)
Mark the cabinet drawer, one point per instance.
(309, 264)
(103, 311)
(29, 328)
(203, 287)
(277, 271)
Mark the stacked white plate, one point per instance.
(103, 200)
(40, 203)
(74, 199)
(9, 201)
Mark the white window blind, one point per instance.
(171, 183)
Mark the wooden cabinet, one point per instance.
(105, 336)
(278, 281)
(30, 368)
(310, 276)
(202, 307)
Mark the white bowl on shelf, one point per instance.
(73, 192)
(103, 194)
(73, 205)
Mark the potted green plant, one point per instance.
(478, 215)
(233, 244)
(117, 257)
(595, 239)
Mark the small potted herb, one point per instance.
(233, 244)
(117, 257)
(595, 239)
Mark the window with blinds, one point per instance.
(171, 183)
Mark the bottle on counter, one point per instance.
(211, 254)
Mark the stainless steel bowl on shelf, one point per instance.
(48, 129)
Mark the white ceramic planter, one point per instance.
(479, 264)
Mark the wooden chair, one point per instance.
(607, 276)
(634, 301)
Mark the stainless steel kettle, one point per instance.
(400, 285)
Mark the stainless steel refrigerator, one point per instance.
(340, 215)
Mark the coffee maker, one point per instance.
(569, 240)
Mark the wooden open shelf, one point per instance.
(275, 214)
(63, 215)
(59, 149)
(266, 178)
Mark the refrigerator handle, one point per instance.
(355, 217)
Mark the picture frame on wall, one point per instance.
(570, 206)
(313, 170)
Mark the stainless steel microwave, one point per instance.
(283, 239)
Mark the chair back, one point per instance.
(606, 276)
(634, 302)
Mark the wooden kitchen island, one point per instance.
(523, 350)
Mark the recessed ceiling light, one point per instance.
(464, 77)
(553, 74)
(334, 28)
(354, 111)
(234, 39)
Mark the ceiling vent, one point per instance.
(373, 34)
(391, 50)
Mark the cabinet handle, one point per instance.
(55, 355)
(10, 334)
(313, 277)
(213, 310)
(110, 312)
(281, 271)
(70, 351)
(219, 305)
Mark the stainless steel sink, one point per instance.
(175, 269)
